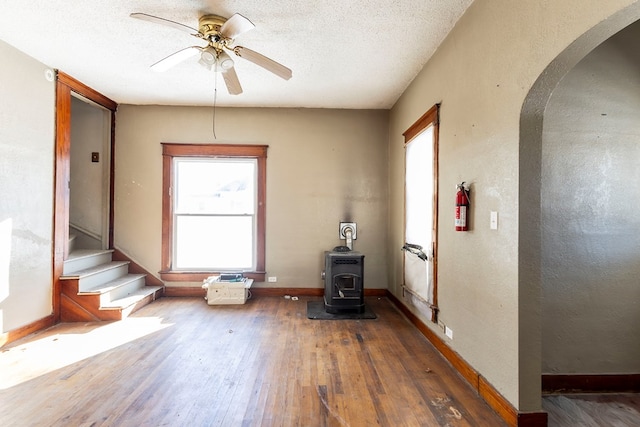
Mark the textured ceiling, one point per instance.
(344, 54)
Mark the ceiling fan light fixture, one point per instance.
(219, 33)
(224, 62)
(208, 56)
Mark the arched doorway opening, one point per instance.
(541, 170)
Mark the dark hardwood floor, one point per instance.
(180, 362)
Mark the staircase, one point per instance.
(94, 287)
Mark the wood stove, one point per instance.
(343, 281)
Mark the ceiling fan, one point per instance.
(219, 34)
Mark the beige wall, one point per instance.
(590, 221)
(26, 186)
(90, 132)
(482, 74)
(323, 166)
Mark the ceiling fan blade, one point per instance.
(162, 21)
(235, 26)
(176, 58)
(264, 62)
(231, 80)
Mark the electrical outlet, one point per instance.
(272, 279)
(448, 332)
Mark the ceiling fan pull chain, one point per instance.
(215, 96)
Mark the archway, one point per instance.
(530, 213)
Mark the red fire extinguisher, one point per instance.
(462, 207)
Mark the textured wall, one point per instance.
(90, 130)
(489, 285)
(323, 166)
(590, 218)
(26, 185)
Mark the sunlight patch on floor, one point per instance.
(68, 343)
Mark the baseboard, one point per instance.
(180, 291)
(16, 334)
(590, 383)
(484, 389)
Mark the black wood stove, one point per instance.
(343, 281)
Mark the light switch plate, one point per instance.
(493, 222)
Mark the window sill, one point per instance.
(199, 276)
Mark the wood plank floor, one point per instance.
(180, 362)
(593, 410)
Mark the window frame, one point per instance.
(428, 119)
(173, 150)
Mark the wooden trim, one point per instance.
(213, 150)
(495, 400)
(281, 292)
(167, 222)
(61, 191)
(505, 410)
(84, 90)
(65, 85)
(198, 276)
(261, 240)
(171, 150)
(590, 383)
(23, 331)
(181, 291)
(436, 185)
(307, 292)
(72, 308)
(531, 419)
(430, 118)
(490, 395)
(136, 268)
(380, 293)
(112, 180)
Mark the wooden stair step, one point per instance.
(132, 299)
(85, 253)
(80, 259)
(86, 272)
(94, 286)
(113, 284)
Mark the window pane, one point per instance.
(214, 242)
(220, 186)
(419, 192)
(419, 189)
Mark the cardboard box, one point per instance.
(222, 292)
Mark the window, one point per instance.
(213, 210)
(421, 209)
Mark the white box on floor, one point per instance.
(219, 292)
